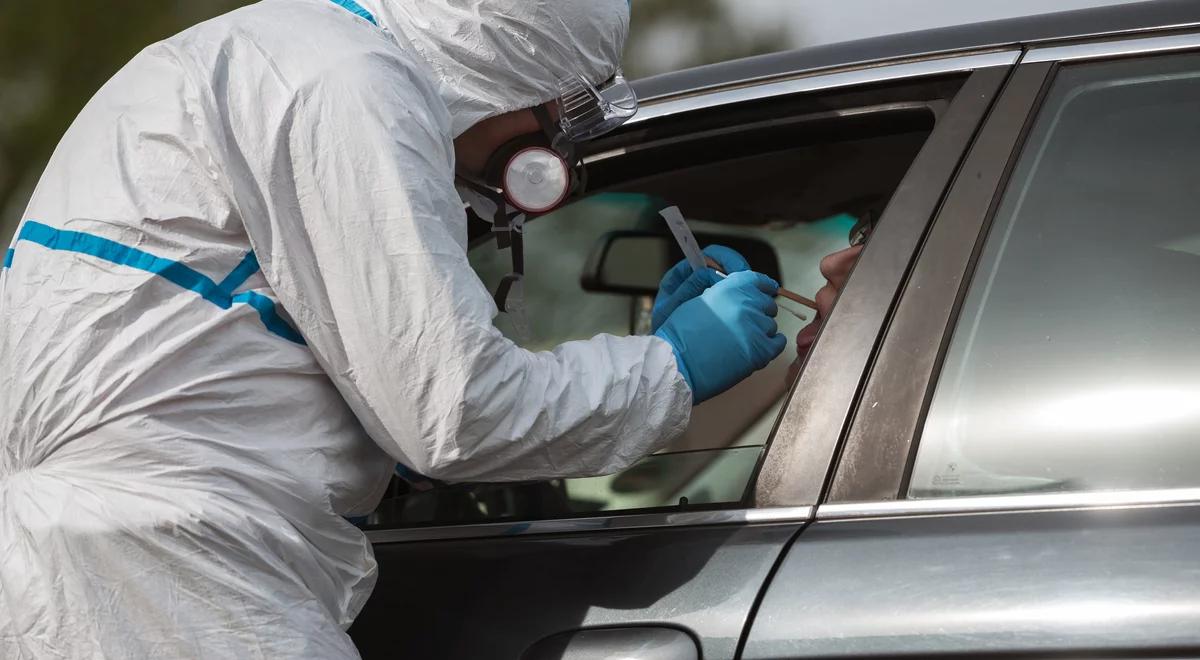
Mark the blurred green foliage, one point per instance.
(55, 55)
(668, 35)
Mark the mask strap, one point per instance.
(565, 147)
(501, 221)
(518, 265)
(508, 231)
(558, 140)
(510, 295)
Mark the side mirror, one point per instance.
(632, 262)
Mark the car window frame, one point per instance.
(801, 451)
(907, 217)
(879, 450)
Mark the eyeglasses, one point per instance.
(862, 229)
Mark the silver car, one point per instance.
(993, 447)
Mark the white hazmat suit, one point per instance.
(241, 293)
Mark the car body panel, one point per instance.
(1017, 582)
(494, 598)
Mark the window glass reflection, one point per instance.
(1075, 363)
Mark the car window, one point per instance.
(556, 250)
(1075, 361)
(714, 461)
(784, 192)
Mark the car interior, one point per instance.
(784, 181)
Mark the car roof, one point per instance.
(1109, 20)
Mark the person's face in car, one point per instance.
(836, 268)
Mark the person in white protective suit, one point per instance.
(240, 295)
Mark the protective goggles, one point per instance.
(587, 111)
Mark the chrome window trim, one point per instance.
(594, 524)
(824, 80)
(1115, 499)
(1112, 48)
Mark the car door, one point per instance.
(569, 568)
(1021, 473)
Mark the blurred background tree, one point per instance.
(54, 56)
(668, 35)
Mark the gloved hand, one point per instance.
(725, 334)
(681, 283)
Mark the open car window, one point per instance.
(556, 249)
(784, 186)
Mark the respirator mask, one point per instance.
(534, 174)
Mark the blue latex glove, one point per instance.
(681, 283)
(725, 334)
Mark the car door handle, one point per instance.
(634, 643)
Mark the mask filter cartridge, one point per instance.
(536, 180)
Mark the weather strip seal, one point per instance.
(631, 521)
(1109, 499)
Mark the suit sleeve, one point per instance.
(364, 242)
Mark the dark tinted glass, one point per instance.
(1075, 364)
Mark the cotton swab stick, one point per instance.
(790, 295)
(783, 307)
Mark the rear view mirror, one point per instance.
(632, 262)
